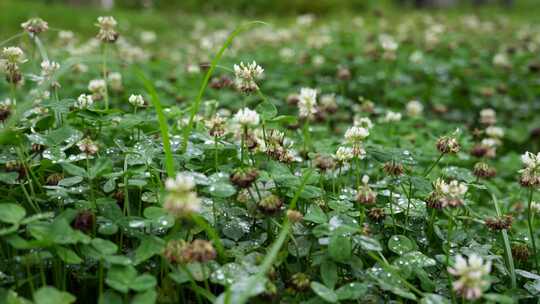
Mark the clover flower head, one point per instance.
(472, 276)
(364, 122)
(392, 116)
(107, 29)
(35, 26)
(246, 117)
(414, 108)
(307, 102)
(247, 75)
(84, 101)
(356, 134)
(182, 200)
(136, 100)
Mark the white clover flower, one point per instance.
(35, 26)
(136, 100)
(307, 102)
(182, 183)
(392, 116)
(182, 200)
(490, 142)
(388, 43)
(148, 37)
(107, 29)
(356, 134)
(416, 57)
(344, 154)
(501, 60)
(456, 189)
(84, 101)
(246, 117)
(535, 207)
(48, 68)
(305, 20)
(97, 86)
(472, 276)
(364, 122)
(318, 60)
(247, 75)
(488, 116)
(66, 37)
(495, 132)
(414, 108)
(115, 80)
(530, 160)
(13, 55)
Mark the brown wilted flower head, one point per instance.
(483, 170)
(16, 166)
(181, 252)
(36, 148)
(119, 197)
(376, 214)
(365, 194)
(173, 251)
(54, 179)
(199, 251)
(324, 162)
(520, 252)
(35, 26)
(270, 204)
(300, 281)
(366, 105)
(448, 144)
(343, 73)
(84, 221)
(244, 177)
(392, 168)
(294, 216)
(293, 99)
(221, 82)
(88, 146)
(5, 112)
(499, 223)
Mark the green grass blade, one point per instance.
(507, 248)
(276, 246)
(197, 103)
(163, 127)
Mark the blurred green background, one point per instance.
(76, 15)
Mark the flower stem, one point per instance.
(531, 232)
(433, 165)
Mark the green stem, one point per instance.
(433, 165)
(530, 223)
